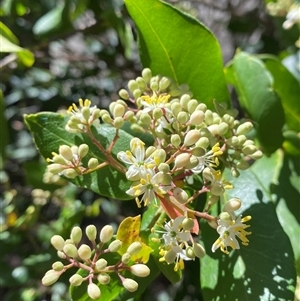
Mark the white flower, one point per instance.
(149, 185)
(136, 159)
(153, 102)
(229, 229)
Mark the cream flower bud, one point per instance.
(180, 195)
(70, 173)
(122, 102)
(192, 105)
(164, 83)
(106, 118)
(232, 141)
(164, 167)
(257, 155)
(124, 94)
(59, 159)
(140, 270)
(76, 234)
(190, 252)
(115, 245)
(95, 114)
(213, 129)
(103, 278)
(203, 142)
(222, 128)
(194, 161)
(184, 100)
(70, 250)
(202, 107)
(199, 250)
(154, 86)
(130, 284)
(104, 112)
(75, 280)
(134, 248)
(198, 151)
(128, 115)
(55, 168)
(93, 291)
(150, 150)
(249, 149)
(132, 85)
(232, 205)
(235, 173)
(91, 232)
(225, 216)
(192, 137)
(57, 266)
(118, 110)
(183, 117)
(57, 242)
(209, 118)
(242, 139)
(118, 122)
(182, 160)
(242, 165)
(101, 264)
(187, 223)
(146, 74)
(84, 252)
(66, 152)
(93, 163)
(157, 113)
(145, 118)
(244, 128)
(159, 156)
(170, 256)
(125, 258)
(50, 277)
(137, 93)
(197, 117)
(175, 140)
(61, 255)
(106, 233)
(176, 108)
(83, 150)
(85, 111)
(141, 83)
(217, 189)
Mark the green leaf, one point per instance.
(265, 269)
(288, 88)
(8, 34)
(49, 133)
(177, 45)
(25, 56)
(254, 85)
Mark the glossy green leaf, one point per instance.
(288, 88)
(49, 133)
(265, 269)
(25, 56)
(254, 85)
(177, 45)
(8, 34)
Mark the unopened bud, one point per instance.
(76, 235)
(140, 270)
(154, 86)
(175, 140)
(146, 74)
(164, 167)
(170, 256)
(190, 252)
(57, 242)
(101, 264)
(257, 155)
(176, 108)
(137, 93)
(93, 163)
(57, 266)
(203, 142)
(106, 118)
(209, 118)
(197, 117)
(198, 151)
(130, 284)
(232, 141)
(50, 277)
(141, 83)
(70, 173)
(124, 94)
(164, 83)
(145, 118)
(183, 117)
(132, 85)
(83, 150)
(103, 278)
(70, 250)
(118, 122)
(106, 233)
(184, 100)
(188, 223)
(232, 205)
(134, 248)
(242, 139)
(249, 149)
(125, 258)
(192, 137)
(55, 168)
(76, 280)
(225, 216)
(242, 165)
(222, 128)
(157, 113)
(182, 160)
(91, 232)
(84, 252)
(59, 159)
(85, 111)
(118, 110)
(159, 156)
(192, 105)
(115, 245)
(199, 250)
(93, 291)
(244, 128)
(180, 195)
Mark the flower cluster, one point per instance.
(97, 268)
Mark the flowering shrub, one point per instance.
(174, 144)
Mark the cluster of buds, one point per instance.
(68, 162)
(177, 242)
(98, 269)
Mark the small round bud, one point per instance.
(175, 140)
(145, 118)
(76, 280)
(202, 107)
(225, 217)
(180, 195)
(213, 129)
(140, 270)
(232, 205)
(83, 150)
(61, 255)
(57, 242)
(164, 167)
(141, 83)
(217, 189)
(190, 252)
(157, 113)
(222, 128)
(60, 160)
(192, 137)
(128, 115)
(154, 86)
(93, 291)
(55, 168)
(93, 163)
(182, 160)
(103, 278)
(118, 110)
(170, 256)
(132, 85)
(242, 165)
(176, 108)
(134, 248)
(164, 83)
(124, 94)
(192, 105)
(198, 151)
(115, 245)
(257, 155)
(126, 258)
(199, 250)
(249, 149)
(70, 250)
(58, 266)
(244, 128)
(50, 277)
(232, 141)
(137, 93)
(194, 161)
(130, 284)
(150, 150)
(184, 100)
(209, 118)
(106, 233)
(146, 74)
(203, 142)
(106, 118)
(197, 117)
(187, 224)
(159, 156)
(70, 173)
(101, 264)
(76, 234)
(66, 152)
(91, 232)
(235, 173)
(183, 117)
(84, 252)
(85, 111)
(242, 139)
(118, 122)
